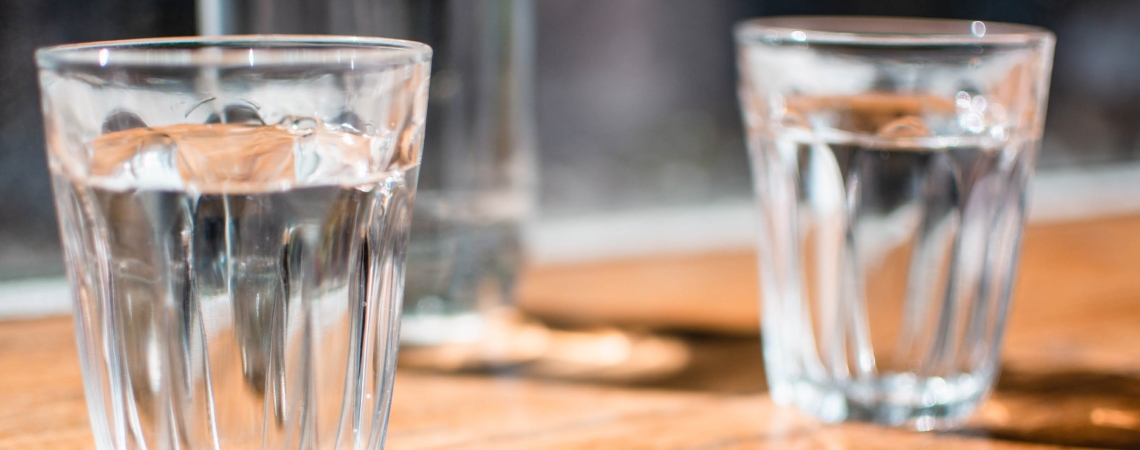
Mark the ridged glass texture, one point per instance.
(890, 162)
(235, 218)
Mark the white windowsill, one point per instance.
(1057, 196)
(34, 298)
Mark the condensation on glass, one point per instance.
(890, 159)
(235, 215)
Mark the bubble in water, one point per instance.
(971, 111)
(299, 125)
(962, 100)
(972, 122)
(122, 120)
(978, 103)
(904, 127)
(999, 133)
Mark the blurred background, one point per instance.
(638, 127)
(644, 228)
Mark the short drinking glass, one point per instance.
(234, 215)
(890, 159)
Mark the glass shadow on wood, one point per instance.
(1071, 408)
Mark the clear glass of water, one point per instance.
(478, 177)
(890, 160)
(480, 171)
(235, 215)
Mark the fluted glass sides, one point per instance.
(235, 218)
(890, 176)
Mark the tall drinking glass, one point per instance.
(890, 159)
(235, 214)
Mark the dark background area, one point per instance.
(635, 99)
(28, 236)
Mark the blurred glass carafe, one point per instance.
(478, 174)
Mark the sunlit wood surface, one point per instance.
(691, 377)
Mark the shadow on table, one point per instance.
(1077, 408)
(1060, 408)
(1070, 408)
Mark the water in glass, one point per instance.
(241, 281)
(887, 255)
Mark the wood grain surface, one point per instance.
(688, 374)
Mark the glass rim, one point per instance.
(270, 50)
(899, 31)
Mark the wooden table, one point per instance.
(690, 376)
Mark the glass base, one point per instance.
(898, 400)
(489, 340)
